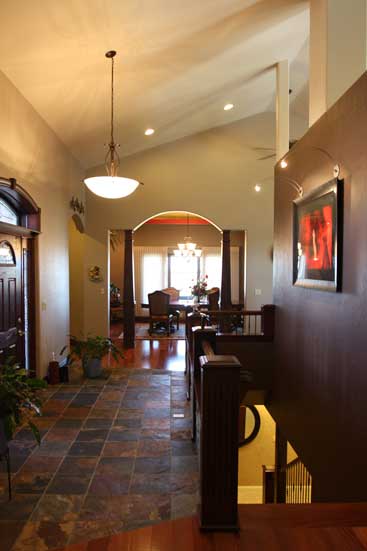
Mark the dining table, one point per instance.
(183, 305)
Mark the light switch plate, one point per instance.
(257, 291)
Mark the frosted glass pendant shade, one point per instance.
(111, 187)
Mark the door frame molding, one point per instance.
(30, 226)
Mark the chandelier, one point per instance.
(187, 248)
(111, 186)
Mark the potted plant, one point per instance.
(19, 401)
(115, 295)
(91, 351)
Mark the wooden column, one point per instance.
(268, 320)
(219, 412)
(280, 466)
(225, 298)
(128, 295)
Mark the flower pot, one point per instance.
(93, 368)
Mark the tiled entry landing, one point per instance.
(112, 458)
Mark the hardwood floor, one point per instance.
(318, 527)
(163, 354)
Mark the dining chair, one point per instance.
(213, 303)
(174, 297)
(159, 311)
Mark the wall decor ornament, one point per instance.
(95, 273)
(76, 205)
(317, 237)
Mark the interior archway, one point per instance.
(168, 213)
(157, 263)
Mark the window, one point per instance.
(183, 272)
(150, 273)
(7, 214)
(7, 256)
(212, 266)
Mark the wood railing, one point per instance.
(298, 483)
(241, 322)
(253, 348)
(215, 406)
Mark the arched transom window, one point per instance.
(7, 214)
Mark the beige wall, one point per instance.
(338, 50)
(212, 174)
(32, 153)
(76, 278)
(170, 235)
(260, 451)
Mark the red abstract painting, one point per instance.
(315, 240)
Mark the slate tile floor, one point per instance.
(112, 458)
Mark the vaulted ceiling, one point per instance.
(178, 63)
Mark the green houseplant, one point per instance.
(19, 399)
(91, 351)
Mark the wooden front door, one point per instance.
(13, 285)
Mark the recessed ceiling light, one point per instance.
(228, 106)
(283, 163)
(149, 131)
(257, 187)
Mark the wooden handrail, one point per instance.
(207, 348)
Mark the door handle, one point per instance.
(21, 333)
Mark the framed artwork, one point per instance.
(95, 273)
(317, 238)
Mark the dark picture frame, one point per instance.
(318, 238)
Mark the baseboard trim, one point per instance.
(250, 494)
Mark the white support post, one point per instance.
(282, 109)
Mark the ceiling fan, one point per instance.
(291, 144)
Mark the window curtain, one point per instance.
(150, 273)
(211, 265)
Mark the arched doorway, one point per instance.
(19, 227)
(151, 264)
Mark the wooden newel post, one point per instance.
(225, 292)
(219, 413)
(268, 320)
(128, 296)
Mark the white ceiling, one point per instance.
(178, 63)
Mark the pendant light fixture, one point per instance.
(111, 186)
(187, 248)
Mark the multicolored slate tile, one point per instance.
(112, 458)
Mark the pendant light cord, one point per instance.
(112, 98)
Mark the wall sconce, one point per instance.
(76, 205)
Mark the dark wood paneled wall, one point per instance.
(320, 388)
(225, 292)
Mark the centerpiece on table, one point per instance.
(199, 289)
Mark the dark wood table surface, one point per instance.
(182, 304)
